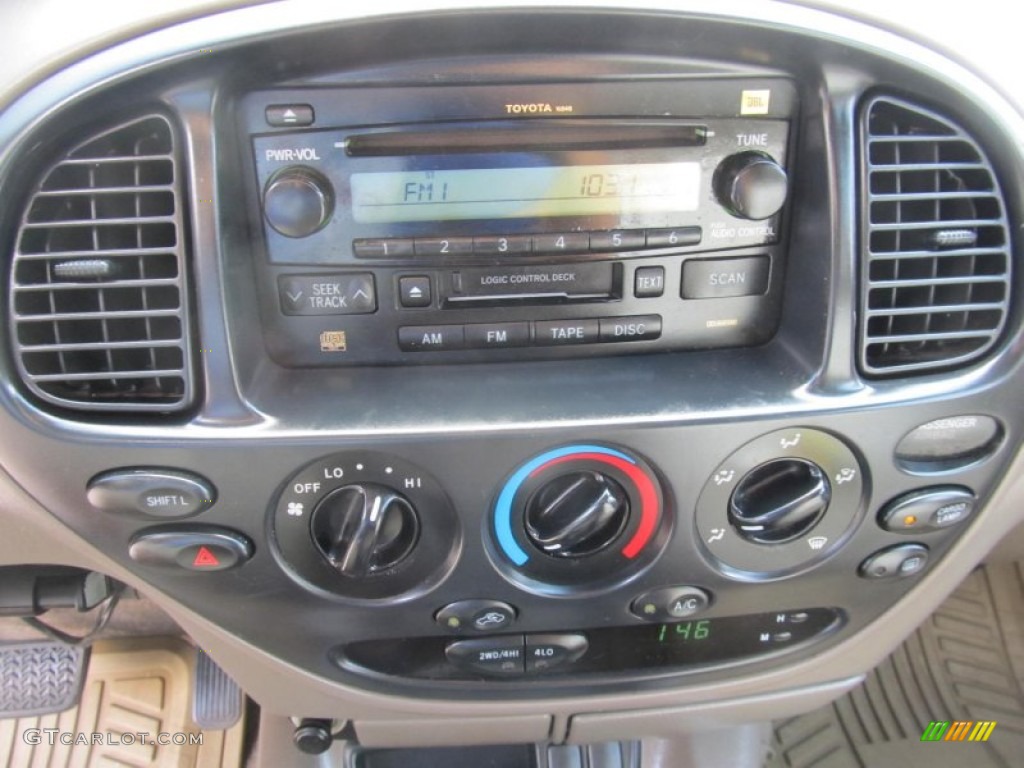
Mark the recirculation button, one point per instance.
(193, 549)
(151, 491)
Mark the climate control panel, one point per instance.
(653, 567)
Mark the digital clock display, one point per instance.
(511, 193)
(685, 632)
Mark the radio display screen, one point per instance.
(623, 190)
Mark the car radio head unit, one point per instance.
(423, 225)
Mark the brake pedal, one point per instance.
(40, 678)
(216, 698)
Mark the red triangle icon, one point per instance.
(205, 558)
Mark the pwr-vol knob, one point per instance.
(362, 529)
(751, 185)
(577, 518)
(298, 201)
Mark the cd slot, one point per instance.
(564, 136)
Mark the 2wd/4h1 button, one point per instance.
(202, 549)
(492, 656)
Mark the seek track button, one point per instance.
(345, 294)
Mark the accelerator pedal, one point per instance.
(39, 678)
(216, 698)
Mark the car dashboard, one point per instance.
(514, 375)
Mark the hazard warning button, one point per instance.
(194, 549)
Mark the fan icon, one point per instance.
(295, 509)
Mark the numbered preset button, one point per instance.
(488, 246)
(673, 238)
(617, 240)
(566, 242)
(444, 246)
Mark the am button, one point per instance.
(723, 278)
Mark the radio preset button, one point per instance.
(649, 282)
(562, 332)
(723, 278)
(496, 335)
(674, 238)
(414, 291)
(617, 240)
(353, 294)
(383, 248)
(489, 246)
(638, 328)
(419, 338)
(566, 242)
(444, 246)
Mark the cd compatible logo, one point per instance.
(958, 730)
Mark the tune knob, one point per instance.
(298, 201)
(779, 500)
(751, 185)
(577, 514)
(363, 529)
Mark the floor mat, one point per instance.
(134, 711)
(965, 664)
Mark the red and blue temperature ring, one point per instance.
(649, 505)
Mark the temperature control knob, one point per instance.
(577, 514)
(298, 201)
(779, 500)
(751, 185)
(363, 529)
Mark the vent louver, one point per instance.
(936, 267)
(98, 289)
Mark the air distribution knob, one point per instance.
(576, 514)
(751, 185)
(779, 501)
(298, 201)
(363, 529)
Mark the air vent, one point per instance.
(936, 272)
(98, 294)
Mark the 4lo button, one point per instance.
(476, 616)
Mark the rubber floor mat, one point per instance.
(134, 711)
(964, 665)
(39, 678)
